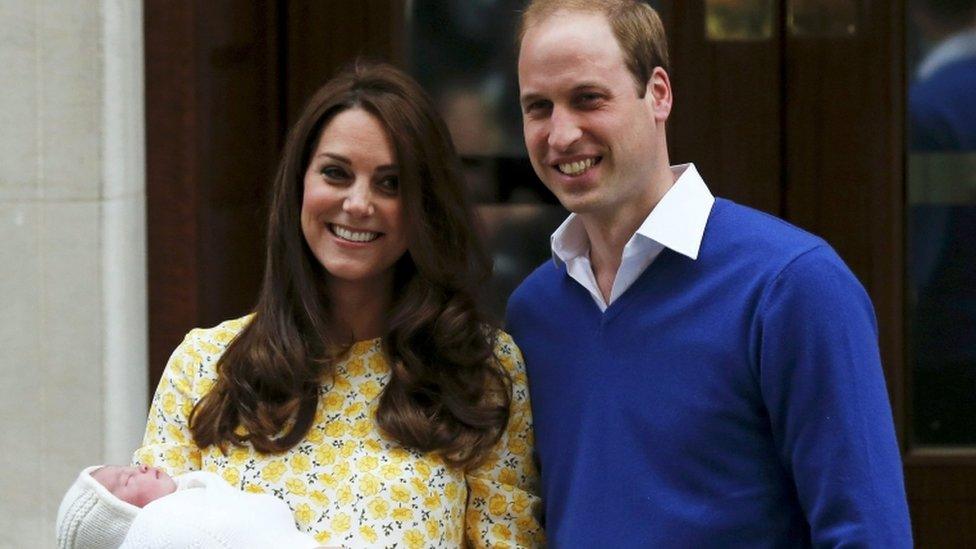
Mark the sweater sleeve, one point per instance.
(504, 506)
(822, 383)
(167, 442)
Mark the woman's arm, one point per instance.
(167, 442)
(504, 507)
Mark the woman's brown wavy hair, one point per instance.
(447, 392)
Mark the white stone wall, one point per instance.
(73, 358)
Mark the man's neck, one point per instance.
(609, 234)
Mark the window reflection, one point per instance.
(942, 219)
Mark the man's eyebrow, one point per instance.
(529, 98)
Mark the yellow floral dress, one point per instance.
(345, 482)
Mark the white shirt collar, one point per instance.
(677, 222)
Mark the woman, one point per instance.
(365, 390)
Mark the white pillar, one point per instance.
(73, 345)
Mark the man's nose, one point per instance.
(564, 130)
(359, 200)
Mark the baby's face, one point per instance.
(135, 485)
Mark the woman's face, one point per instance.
(352, 216)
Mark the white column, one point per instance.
(73, 351)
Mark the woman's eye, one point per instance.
(333, 172)
(390, 184)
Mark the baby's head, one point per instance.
(135, 485)
(104, 500)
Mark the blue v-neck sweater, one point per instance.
(736, 400)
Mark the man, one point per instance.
(702, 374)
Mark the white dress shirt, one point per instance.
(677, 222)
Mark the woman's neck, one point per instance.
(361, 307)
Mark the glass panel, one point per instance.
(822, 18)
(941, 220)
(738, 20)
(463, 53)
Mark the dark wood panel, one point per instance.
(727, 109)
(322, 37)
(172, 159)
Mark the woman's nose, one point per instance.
(359, 201)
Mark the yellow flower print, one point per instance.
(304, 514)
(353, 409)
(335, 429)
(333, 401)
(399, 493)
(520, 503)
(451, 491)
(169, 403)
(341, 470)
(209, 348)
(341, 384)
(348, 448)
(370, 389)
(341, 522)
(418, 486)
(319, 498)
(432, 501)
(501, 531)
(497, 505)
(373, 445)
(517, 446)
(422, 468)
(315, 435)
(296, 487)
(175, 434)
(390, 471)
(231, 475)
(186, 408)
(402, 514)
(344, 495)
(300, 463)
(414, 539)
(224, 336)
(479, 490)
(326, 455)
(368, 534)
(369, 485)
(272, 472)
(508, 476)
(323, 537)
(433, 529)
(238, 456)
(254, 488)
(355, 367)
(378, 509)
(175, 459)
(377, 364)
(368, 463)
(398, 455)
(204, 386)
(362, 428)
(329, 480)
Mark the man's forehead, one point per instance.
(569, 43)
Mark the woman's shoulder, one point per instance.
(219, 336)
(508, 353)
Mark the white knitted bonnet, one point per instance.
(90, 517)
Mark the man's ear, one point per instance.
(658, 92)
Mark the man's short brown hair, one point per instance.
(636, 25)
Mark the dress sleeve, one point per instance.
(504, 507)
(168, 443)
(823, 385)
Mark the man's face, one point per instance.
(136, 485)
(591, 138)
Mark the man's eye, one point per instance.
(588, 99)
(536, 107)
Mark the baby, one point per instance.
(143, 507)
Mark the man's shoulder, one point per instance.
(543, 280)
(757, 235)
